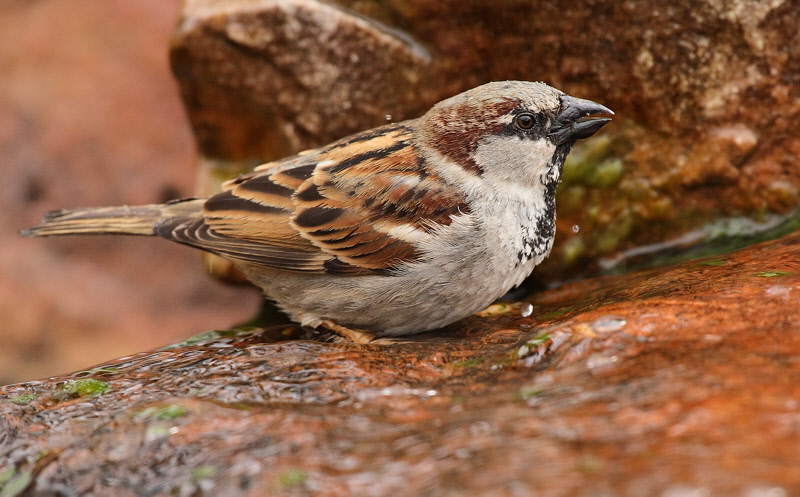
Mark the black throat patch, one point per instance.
(539, 240)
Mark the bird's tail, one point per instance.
(136, 220)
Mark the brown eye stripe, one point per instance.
(456, 131)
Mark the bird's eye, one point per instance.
(524, 121)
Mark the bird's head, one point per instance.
(513, 131)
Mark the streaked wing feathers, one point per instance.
(357, 206)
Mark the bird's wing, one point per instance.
(357, 206)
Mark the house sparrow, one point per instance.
(393, 231)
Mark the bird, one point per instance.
(393, 231)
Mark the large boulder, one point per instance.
(707, 96)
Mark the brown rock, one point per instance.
(265, 79)
(681, 380)
(707, 95)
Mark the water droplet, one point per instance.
(575, 228)
(388, 117)
(608, 324)
(779, 291)
(598, 362)
(526, 310)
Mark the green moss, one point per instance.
(571, 198)
(609, 239)
(468, 363)
(773, 274)
(292, 478)
(163, 413)
(590, 163)
(86, 387)
(538, 339)
(607, 173)
(661, 207)
(589, 465)
(17, 484)
(527, 394)
(6, 474)
(220, 171)
(203, 472)
(713, 262)
(642, 189)
(572, 250)
(583, 159)
(23, 398)
(156, 431)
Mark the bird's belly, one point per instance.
(466, 270)
(426, 296)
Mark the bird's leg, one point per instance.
(355, 336)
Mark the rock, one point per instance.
(266, 79)
(707, 96)
(671, 381)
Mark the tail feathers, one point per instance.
(137, 220)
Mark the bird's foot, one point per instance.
(356, 336)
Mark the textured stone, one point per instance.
(707, 95)
(265, 79)
(675, 381)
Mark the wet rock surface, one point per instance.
(706, 96)
(676, 381)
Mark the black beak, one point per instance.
(576, 120)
